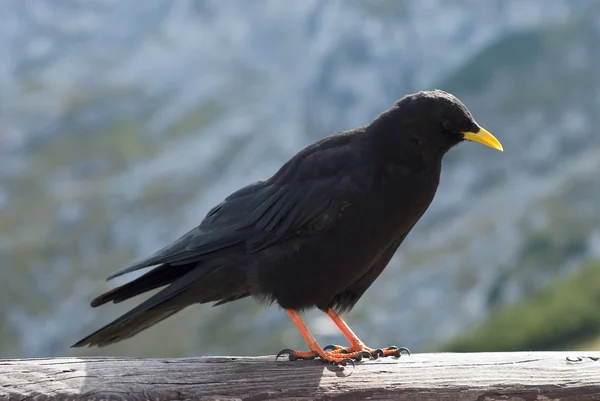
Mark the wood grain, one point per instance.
(443, 376)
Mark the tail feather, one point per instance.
(122, 329)
(158, 307)
(157, 277)
(188, 285)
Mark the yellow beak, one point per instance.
(484, 137)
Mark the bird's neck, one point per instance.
(403, 153)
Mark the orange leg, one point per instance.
(355, 344)
(336, 354)
(315, 349)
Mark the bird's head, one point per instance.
(437, 119)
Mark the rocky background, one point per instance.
(123, 122)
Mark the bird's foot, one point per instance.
(364, 351)
(325, 356)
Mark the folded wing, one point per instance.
(306, 196)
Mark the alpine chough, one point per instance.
(317, 233)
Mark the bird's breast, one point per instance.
(404, 194)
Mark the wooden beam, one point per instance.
(443, 376)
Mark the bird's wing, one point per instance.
(306, 196)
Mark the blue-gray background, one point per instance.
(123, 122)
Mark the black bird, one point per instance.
(315, 234)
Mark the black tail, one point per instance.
(126, 327)
(155, 278)
(219, 283)
(158, 307)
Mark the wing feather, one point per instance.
(306, 196)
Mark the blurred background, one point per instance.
(123, 122)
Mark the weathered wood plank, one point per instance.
(476, 376)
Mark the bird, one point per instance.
(315, 234)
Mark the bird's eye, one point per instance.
(447, 124)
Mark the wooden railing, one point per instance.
(443, 376)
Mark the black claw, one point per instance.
(398, 351)
(395, 354)
(330, 347)
(343, 351)
(366, 354)
(343, 362)
(379, 352)
(288, 351)
(358, 356)
(292, 355)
